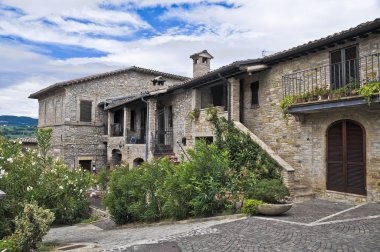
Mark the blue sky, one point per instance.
(44, 42)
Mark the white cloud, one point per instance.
(229, 34)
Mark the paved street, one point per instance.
(311, 226)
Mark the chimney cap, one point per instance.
(203, 53)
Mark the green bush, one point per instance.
(250, 206)
(9, 245)
(33, 224)
(102, 178)
(120, 194)
(270, 191)
(35, 176)
(161, 189)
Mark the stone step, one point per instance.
(301, 188)
(301, 197)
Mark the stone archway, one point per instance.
(137, 162)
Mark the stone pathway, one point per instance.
(310, 226)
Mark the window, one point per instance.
(85, 111)
(204, 60)
(133, 118)
(219, 95)
(344, 67)
(255, 93)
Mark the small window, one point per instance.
(204, 60)
(255, 93)
(133, 118)
(85, 111)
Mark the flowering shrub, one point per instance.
(34, 175)
(33, 224)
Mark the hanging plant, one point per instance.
(369, 90)
(285, 104)
(193, 115)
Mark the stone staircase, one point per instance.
(301, 192)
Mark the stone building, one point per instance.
(328, 147)
(75, 111)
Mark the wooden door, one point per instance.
(346, 169)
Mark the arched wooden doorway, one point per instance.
(346, 166)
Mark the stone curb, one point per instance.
(188, 221)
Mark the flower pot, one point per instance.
(324, 97)
(274, 209)
(300, 100)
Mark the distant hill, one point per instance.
(8, 120)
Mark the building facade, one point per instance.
(328, 146)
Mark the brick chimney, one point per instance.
(201, 63)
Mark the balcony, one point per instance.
(136, 136)
(332, 86)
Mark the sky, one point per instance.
(44, 42)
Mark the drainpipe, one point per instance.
(146, 129)
(228, 95)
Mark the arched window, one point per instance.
(138, 162)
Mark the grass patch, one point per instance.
(92, 218)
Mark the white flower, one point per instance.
(61, 187)
(80, 190)
(2, 172)
(29, 188)
(10, 160)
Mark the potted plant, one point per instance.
(274, 194)
(314, 95)
(324, 93)
(335, 94)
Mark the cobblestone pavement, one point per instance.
(311, 226)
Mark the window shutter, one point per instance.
(85, 111)
(355, 159)
(335, 173)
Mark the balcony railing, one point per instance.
(117, 129)
(136, 136)
(332, 81)
(163, 141)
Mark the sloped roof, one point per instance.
(235, 67)
(204, 52)
(103, 75)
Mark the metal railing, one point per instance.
(344, 78)
(163, 141)
(136, 136)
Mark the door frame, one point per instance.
(344, 132)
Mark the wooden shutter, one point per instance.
(85, 111)
(346, 158)
(335, 173)
(355, 158)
